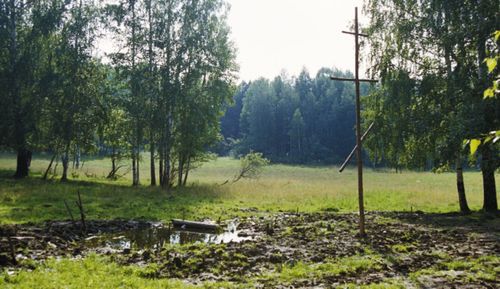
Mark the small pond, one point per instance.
(156, 235)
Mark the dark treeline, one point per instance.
(162, 89)
(301, 119)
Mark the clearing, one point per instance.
(292, 227)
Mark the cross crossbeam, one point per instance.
(352, 79)
(349, 157)
(353, 33)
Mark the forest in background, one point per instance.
(436, 106)
(173, 75)
(299, 119)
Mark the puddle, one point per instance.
(156, 235)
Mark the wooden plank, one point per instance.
(18, 238)
(352, 79)
(354, 33)
(194, 225)
(349, 157)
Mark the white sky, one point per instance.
(272, 35)
(276, 35)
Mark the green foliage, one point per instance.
(178, 68)
(489, 93)
(491, 63)
(426, 55)
(251, 166)
(301, 119)
(113, 133)
(72, 111)
(27, 38)
(170, 76)
(297, 133)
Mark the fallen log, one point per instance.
(194, 225)
(21, 238)
(16, 238)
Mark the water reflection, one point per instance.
(155, 235)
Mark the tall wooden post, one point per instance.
(357, 81)
(358, 131)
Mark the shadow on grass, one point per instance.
(478, 221)
(48, 156)
(36, 200)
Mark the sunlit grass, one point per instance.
(280, 188)
(331, 268)
(91, 272)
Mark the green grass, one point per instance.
(280, 188)
(341, 266)
(392, 283)
(471, 269)
(91, 272)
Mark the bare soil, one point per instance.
(403, 244)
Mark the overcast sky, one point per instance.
(272, 35)
(276, 35)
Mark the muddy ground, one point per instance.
(414, 250)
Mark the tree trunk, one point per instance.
(77, 157)
(488, 167)
(166, 155)
(137, 172)
(160, 167)
(134, 90)
(134, 169)
(152, 164)
(187, 171)
(181, 170)
(151, 57)
(462, 200)
(65, 163)
(23, 163)
(54, 171)
(450, 92)
(113, 160)
(166, 170)
(112, 174)
(23, 154)
(489, 161)
(45, 175)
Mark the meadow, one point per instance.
(414, 236)
(279, 188)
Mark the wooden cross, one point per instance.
(358, 148)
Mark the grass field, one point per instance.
(280, 188)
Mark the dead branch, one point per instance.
(82, 213)
(69, 211)
(49, 167)
(113, 172)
